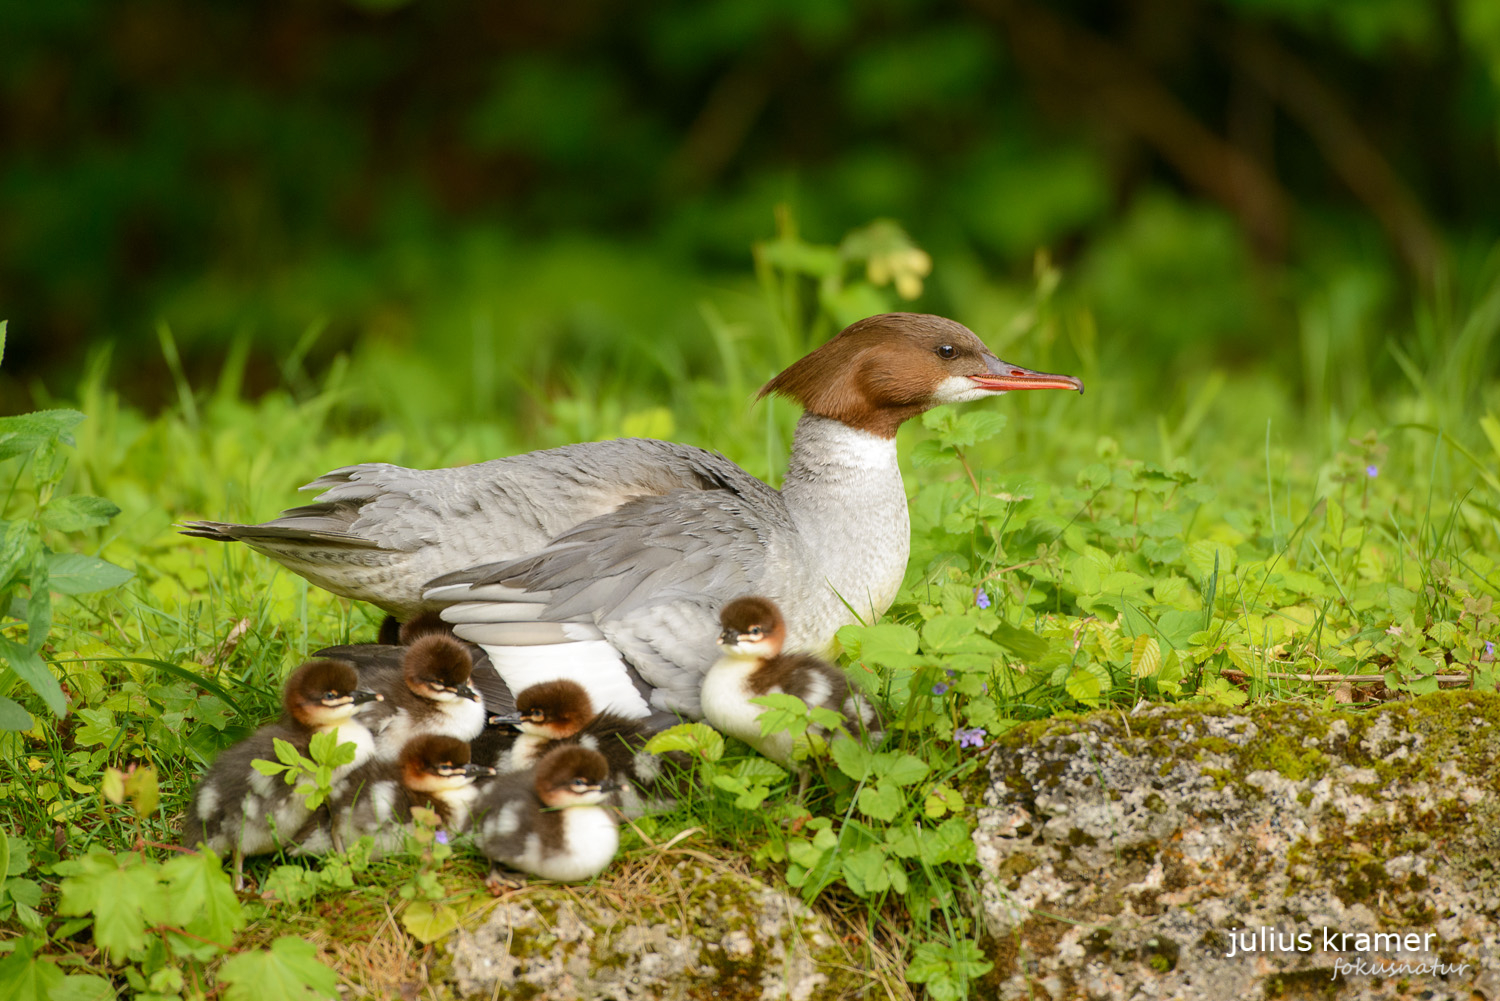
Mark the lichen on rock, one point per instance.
(690, 931)
(1130, 855)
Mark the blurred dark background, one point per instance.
(546, 179)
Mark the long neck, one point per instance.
(843, 491)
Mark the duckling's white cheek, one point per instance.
(208, 802)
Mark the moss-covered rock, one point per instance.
(690, 931)
(1136, 855)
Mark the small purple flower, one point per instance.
(1372, 471)
(1489, 648)
(441, 837)
(970, 738)
(982, 600)
(940, 688)
(952, 673)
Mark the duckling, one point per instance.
(237, 809)
(753, 665)
(555, 713)
(430, 694)
(550, 821)
(434, 771)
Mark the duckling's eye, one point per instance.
(947, 351)
(330, 696)
(580, 784)
(756, 631)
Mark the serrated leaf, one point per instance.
(75, 573)
(974, 426)
(201, 897)
(1202, 554)
(929, 452)
(1085, 684)
(24, 977)
(13, 717)
(27, 432)
(77, 512)
(698, 739)
(1145, 658)
(884, 643)
(758, 770)
(780, 712)
(29, 667)
(288, 971)
(124, 899)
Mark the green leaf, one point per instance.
(78, 512)
(267, 767)
(38, 608)
(885, 643)
(1201, 556)
(24, 977)
(288, 971)
(15, 855)
(125, 899)
(13, 717)
(74, 573)
(974, 426)
(1086, 683)
(201, 897)
(866, 871)
(429, 921)
(1025, 645)
(900, 768)
(698, 739)
(851, 757)
(31, 670)
(883, 801)
(83, 987)
(781, 712)
(28, 432)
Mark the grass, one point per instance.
(1222, 545)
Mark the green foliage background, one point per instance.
(545, 186)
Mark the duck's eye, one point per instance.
(330, 696)
(756, 631)
(579, 785)
(947, 351)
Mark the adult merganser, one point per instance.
(433, 771)
(607, 562)
(753, 665)
(550, 821)
(430, 694)
(237, 809)
(555, 713)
